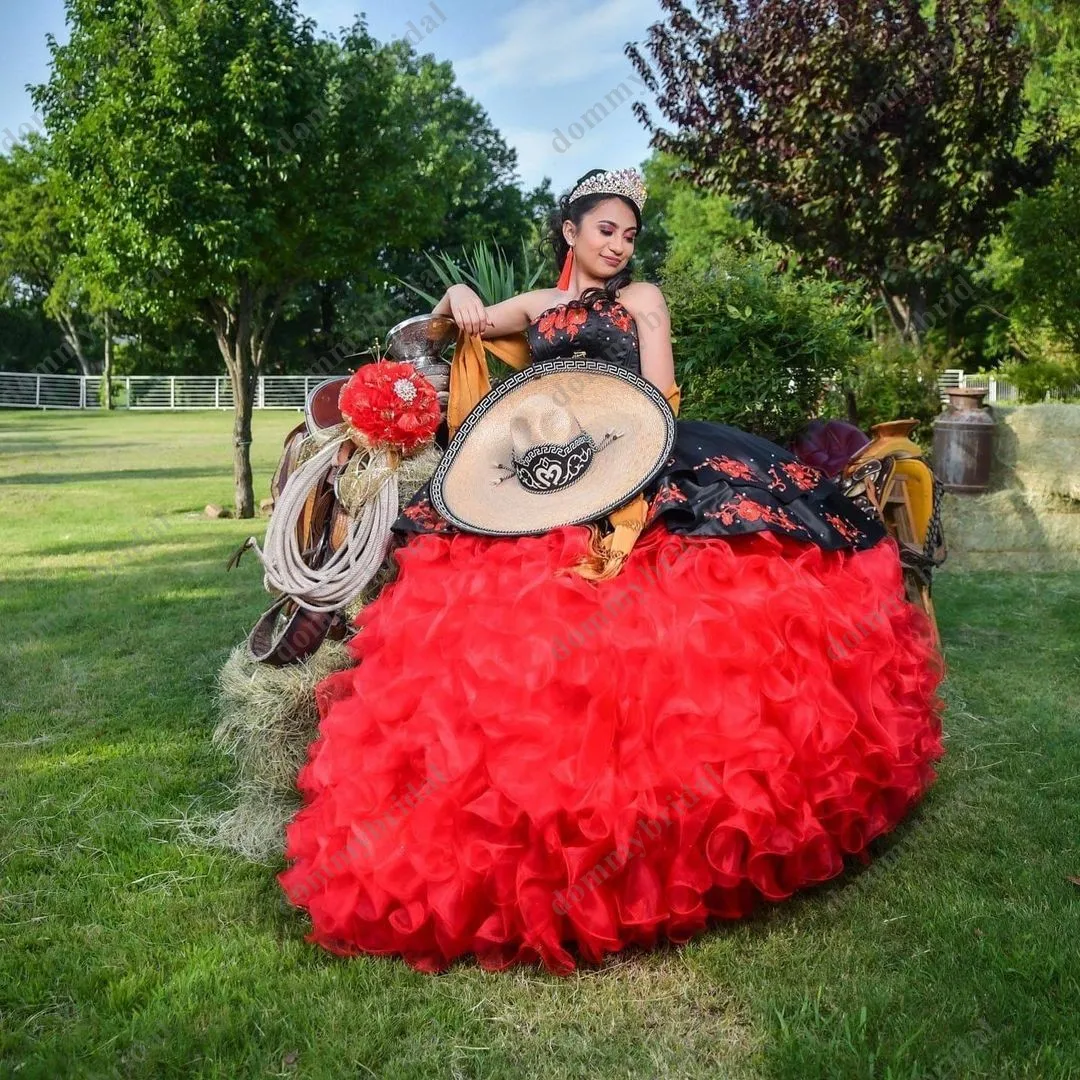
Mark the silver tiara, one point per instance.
(625, 182)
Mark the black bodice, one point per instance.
(604, 330)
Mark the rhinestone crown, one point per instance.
(626, 182)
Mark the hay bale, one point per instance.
(1037, 450)
(268, 717)
(1030, 517)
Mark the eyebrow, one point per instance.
(604, 221)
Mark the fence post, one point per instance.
(217, 392)
(37, 392)
(260, 397)
(82, 391)
(172, 391)
(992, 396)
(127, 391)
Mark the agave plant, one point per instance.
(486, 269)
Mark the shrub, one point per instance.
(1040, 378)
(890, 381)
(756, 347)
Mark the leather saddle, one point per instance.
(288, 632)
(891, 478)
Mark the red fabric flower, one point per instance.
(391, 404)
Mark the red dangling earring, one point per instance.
(567, 268)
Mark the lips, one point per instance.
(610, 262)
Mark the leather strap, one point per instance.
(287, 633)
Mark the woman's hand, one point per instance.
(467, 309)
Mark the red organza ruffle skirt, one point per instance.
(524, 766)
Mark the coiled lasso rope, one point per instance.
(338, 580)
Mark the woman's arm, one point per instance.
(646, 303)
(513, 315)
(468, 311)
(463, 305)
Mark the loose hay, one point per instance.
(269, 716)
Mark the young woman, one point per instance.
(529, 763)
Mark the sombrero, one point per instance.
(561, 442)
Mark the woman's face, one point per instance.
(605, 241)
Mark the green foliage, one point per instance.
(876, 137)
(222, 156)
(33, 241)
(1051, 28)
(890, 380)
(755, 347)
(1041, 261)
(486, 269)
(29, 339)
(37, 242)
(1042, 378)
(680, 218)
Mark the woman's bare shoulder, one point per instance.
(640, 295)
(540, 300)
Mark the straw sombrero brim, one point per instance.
(602, 397)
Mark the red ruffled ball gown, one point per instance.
(525, 766)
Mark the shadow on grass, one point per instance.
(116, 475)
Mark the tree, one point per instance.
(877, 140)
(1042, 271)
(36, 245)
(484, 205)
(217, 155)
(680, 218)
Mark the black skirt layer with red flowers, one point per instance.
(722, 481)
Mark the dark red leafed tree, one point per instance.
(880, 142)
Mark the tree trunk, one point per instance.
(852, 406)
(242, 330)
(244, 380)
(908, 313)
(106, 376)
(327, 310)
(73, 342)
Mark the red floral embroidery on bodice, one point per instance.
(563, 318)
(604, 330)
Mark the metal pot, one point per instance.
(964, 441)
(421, 341)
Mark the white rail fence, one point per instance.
(29, 390)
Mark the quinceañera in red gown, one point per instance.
(532, 764)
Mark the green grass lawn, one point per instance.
(125, 952)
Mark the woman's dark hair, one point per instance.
(575, 211)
